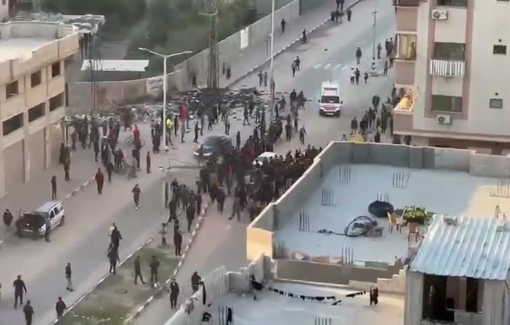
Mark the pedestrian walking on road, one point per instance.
(177, 242)
(349, 14)
(113, 257)
(359, 54)
(283, 23)
(7, 220)
(265, 78)
(99, 181)
(29, 313)
(115, 236)
(136, 195)
(69, 279)
(67, 178)
(109, 170)
(195, 281)
(261, 78)
(154, 266)
(138, 270)
(60, 307)
(148, 162)
(293, 66)
(196, 130)
(236, 209)
(53, 187)
(174, 293)
(19, 289)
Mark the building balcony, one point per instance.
(447, 68)
(405, 47)
(407, 3)
(403, 113)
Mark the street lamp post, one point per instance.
(165, 57)
(273, 84)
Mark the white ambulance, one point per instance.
(330, 102)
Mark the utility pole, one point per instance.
(213, 74)
(374, 13)
(271, 86)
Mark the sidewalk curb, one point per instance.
(191, 240)
(69, 308)
(258, 66)
(65, 198)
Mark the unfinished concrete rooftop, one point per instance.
(346, 177)
(19, 40)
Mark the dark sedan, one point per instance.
(214, 145)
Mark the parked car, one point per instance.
(35, 222)
(214, 145)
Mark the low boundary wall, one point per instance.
(231, 48)
(217, 284)
(260, 233)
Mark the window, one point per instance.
(36, 112)
(12, 90)
(450, 51)
(453, 3)
(446, 103)
(56, 102)
(55, 69)
(35, 79)
(496, 103)
(405, 47)
(499, 49)
(13, 124)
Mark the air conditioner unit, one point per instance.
(439, 14)
(443, 119)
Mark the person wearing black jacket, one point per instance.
(195, 281)
(60, 307)
(115, 237)
(113, 257)
(174, 293)
(19, 288)
(7, 219)
(138, 270)
(154, 265)
(29, 313)
(177, 242)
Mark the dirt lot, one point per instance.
(116, 297)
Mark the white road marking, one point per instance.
(317, 66)
(337, 66)
(327, 66)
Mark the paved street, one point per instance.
(223, 242)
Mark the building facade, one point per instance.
(451, 57)
(32, 97)
(4, 10)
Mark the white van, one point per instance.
(330, 102)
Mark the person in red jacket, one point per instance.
(99, 181)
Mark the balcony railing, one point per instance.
(407, 3)
(447, 68)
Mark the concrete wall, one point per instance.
(116, 93)
(396, 284)
(330, 273)
(263, 7)
(219, 283)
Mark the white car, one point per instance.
(264, 155)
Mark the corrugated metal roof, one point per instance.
(473, 247)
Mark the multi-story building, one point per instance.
(452, 57)
(32, 97)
